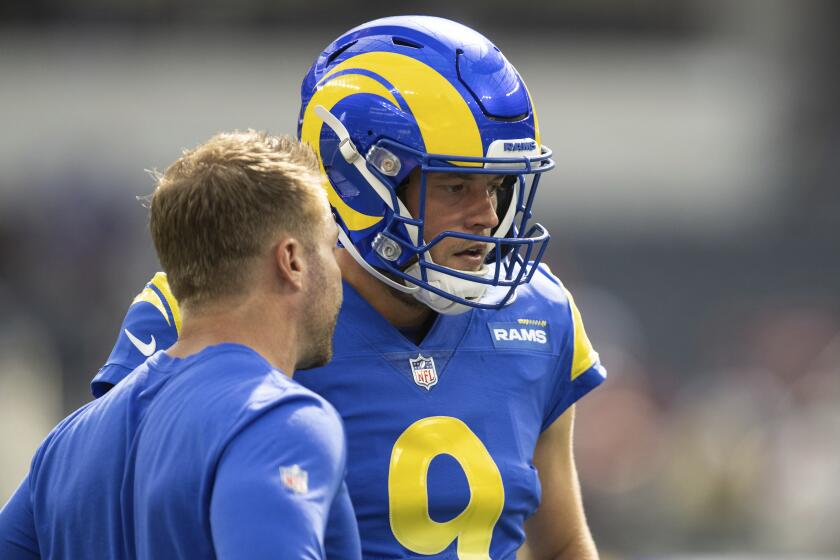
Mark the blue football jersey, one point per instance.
(441, 434)
(216, 455)
(152, 323)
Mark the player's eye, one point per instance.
(494, 188)
(453, 188)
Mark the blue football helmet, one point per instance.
(402, 93)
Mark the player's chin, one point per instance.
(320, 350)
(318, 358)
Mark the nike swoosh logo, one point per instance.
(147, 349)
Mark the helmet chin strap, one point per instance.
(466, 289)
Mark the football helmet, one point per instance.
(402, 93)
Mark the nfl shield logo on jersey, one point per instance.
(295, 479)
(424, 371)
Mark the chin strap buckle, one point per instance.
(348, 150)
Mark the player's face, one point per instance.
(323, 295)
(460, 202)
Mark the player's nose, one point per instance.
(481, 212)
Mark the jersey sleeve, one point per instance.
(18, 539)
(152, 323)
(579, 369)
(341, 540)
(278, 490)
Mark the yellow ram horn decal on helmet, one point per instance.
(446, 123)
(328, 95)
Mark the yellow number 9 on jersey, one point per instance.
(408, 498)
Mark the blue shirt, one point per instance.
(215, 455)
(441, 434)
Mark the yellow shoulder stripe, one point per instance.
(161, 283)
(148, 295)
(584, 355)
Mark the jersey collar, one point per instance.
(363, 320)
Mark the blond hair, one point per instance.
(222, 203)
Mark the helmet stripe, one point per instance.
(374, 76)
(446, 122)
(329, 93)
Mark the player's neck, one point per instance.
(401, 310)
(250, 322)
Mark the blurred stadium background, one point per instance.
(695, 213)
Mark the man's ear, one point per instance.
(290, 264)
